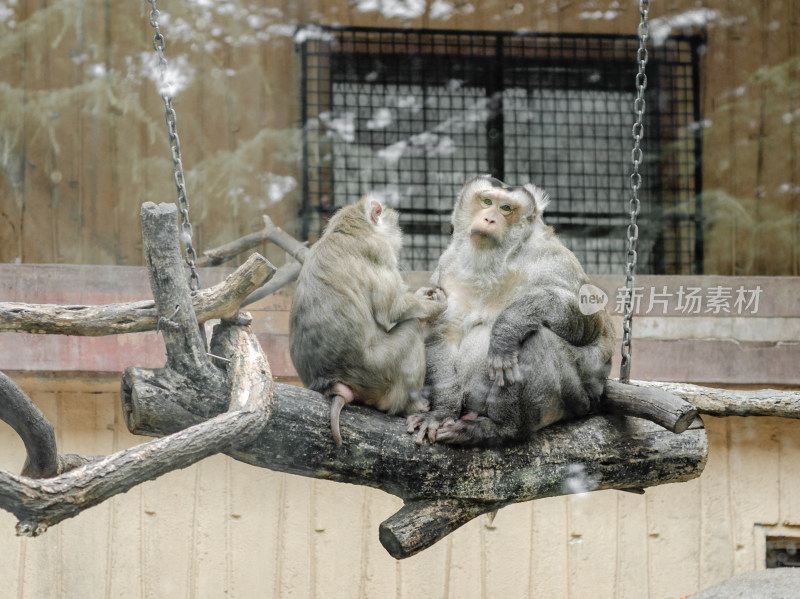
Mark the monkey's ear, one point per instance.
(374, 209)
(539, 197)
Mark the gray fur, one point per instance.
(512, 353)
(353, 320)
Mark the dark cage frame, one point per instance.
(412, 114)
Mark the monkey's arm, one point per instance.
(555, 308)
(423, 305)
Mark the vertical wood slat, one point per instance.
(716, 517)
(753, 464)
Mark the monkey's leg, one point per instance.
(446, 400)
(503, 423)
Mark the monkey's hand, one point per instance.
(435, 300)
(428, 424)
(436, 294)
(503, 362)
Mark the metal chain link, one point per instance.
(636, 181)
(159, 43)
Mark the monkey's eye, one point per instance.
(505, 209)
(485, 201)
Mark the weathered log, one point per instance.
(601, 452)
(220, 301)
(729, 402)
(420, 524)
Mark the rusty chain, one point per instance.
(636, 180)
(159, 43)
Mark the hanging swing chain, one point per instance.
(636, 181)
(159, 43)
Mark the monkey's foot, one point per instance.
(504, 367)
(428, 424)
(471, 430)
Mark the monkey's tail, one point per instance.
(336, 408)
(341, 394)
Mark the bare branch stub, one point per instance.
(270, 232)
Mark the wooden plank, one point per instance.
(716, 528)
(706, 362)
(507, 551)
(212, 551)
(793, 74)
(592, 540)
(631, 567)
(125, 530)
(788, 434)
(673, 519)
(466, 574)
(86, 428)
(774, 211)
(337, 546)
(168, 535)
(37, 221)
(753, 461)
(549, 571)
(12, 188)
(90, 284)
(296, 565)
(253, 543)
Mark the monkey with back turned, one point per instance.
(513, 352)
(355, 331)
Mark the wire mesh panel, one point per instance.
(412, 115)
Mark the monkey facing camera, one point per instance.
(513, 352)
(355, 330)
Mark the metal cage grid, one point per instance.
(413, 114)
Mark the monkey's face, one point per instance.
(492, 215)
(488, 210)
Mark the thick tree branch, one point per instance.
(594, 453)
(220, 301)
(729, 402)
(18, 411)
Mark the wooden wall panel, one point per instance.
(222, 527)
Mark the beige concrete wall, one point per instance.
(222, 528)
